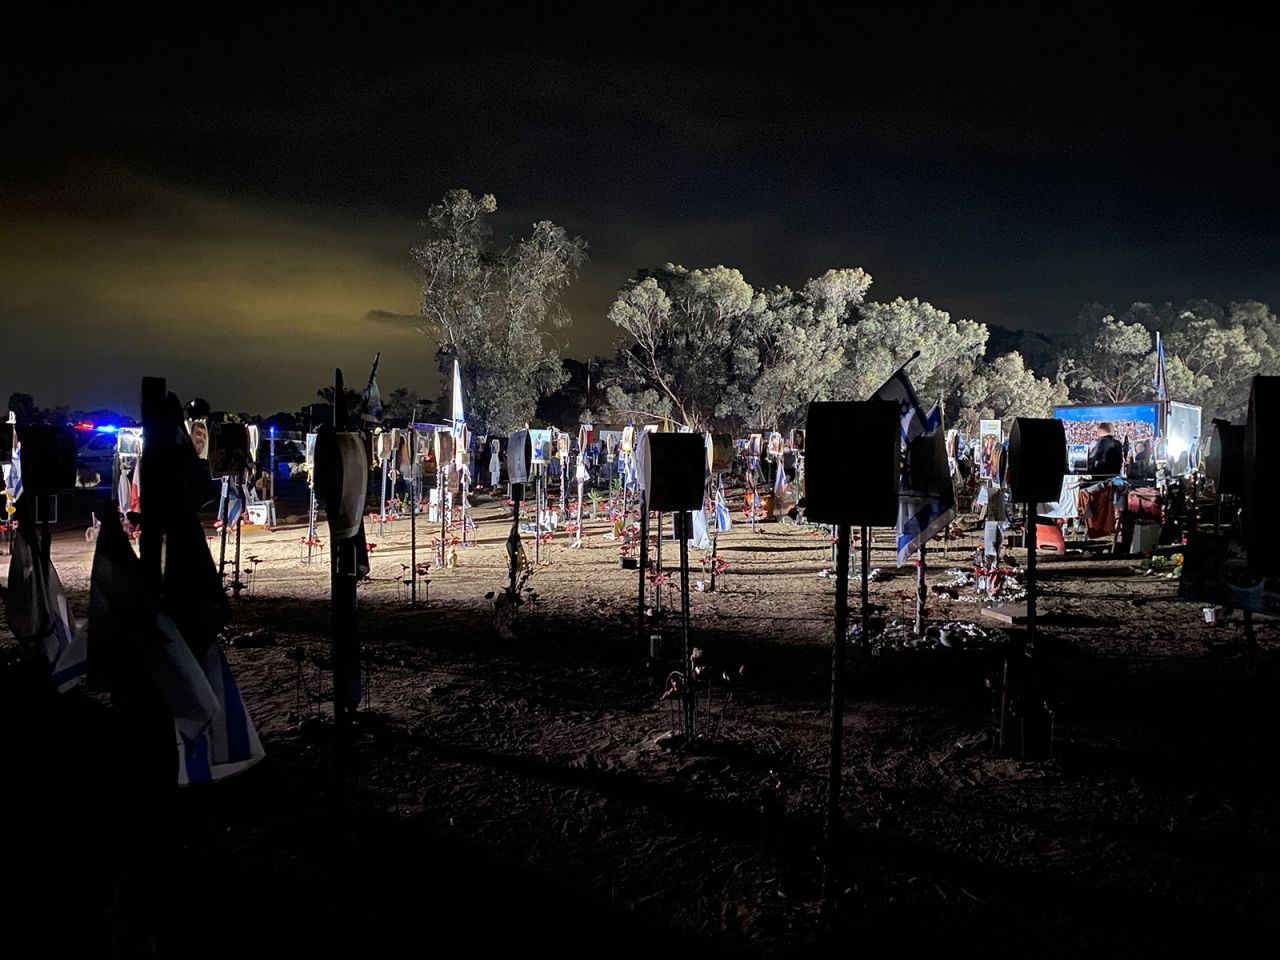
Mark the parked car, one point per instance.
(96, 454)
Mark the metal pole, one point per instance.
(271, 443)
(155, 441)
(682, 522)
(657, 590)
(413, 515)
(922, 592)
(1031, 573)
(222, 540)
(382, 499)
(643, 564)
(466, 501)
(440, 507)
(235, 570)
(44, 506)
(343, 619)
(837, 706)
(866, 588)
(715, 535)
(517, 494)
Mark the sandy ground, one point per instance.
(519, 794)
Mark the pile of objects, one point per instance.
(875, 575)
(956, 635)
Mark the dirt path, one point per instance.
(518, 793)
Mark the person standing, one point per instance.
(1106, 456)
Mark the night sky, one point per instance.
(232, 207)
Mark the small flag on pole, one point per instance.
(13, 476)
(1160, 381)
(371, 399)
(723, 522)
(927, 503)
(459, 417)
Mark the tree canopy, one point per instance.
(494, 308)
(708, 350)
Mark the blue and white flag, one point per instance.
(723, 522)
(1159, 382)
(13, 474)
(371, 401)
(926, 502)
(780, 483)
(228, 743)
(459, 417)
(37, 608)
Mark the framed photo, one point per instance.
(989, 440)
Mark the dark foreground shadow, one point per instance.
(267, 864)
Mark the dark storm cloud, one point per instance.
(398, 319)
(268, 188)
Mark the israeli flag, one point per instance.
(723, 522)
(371, 411)
(780, 482)
(37, 608)
(926, 503)
(459, 417)
(1160, 382)
(229, 743)
(13, 474)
